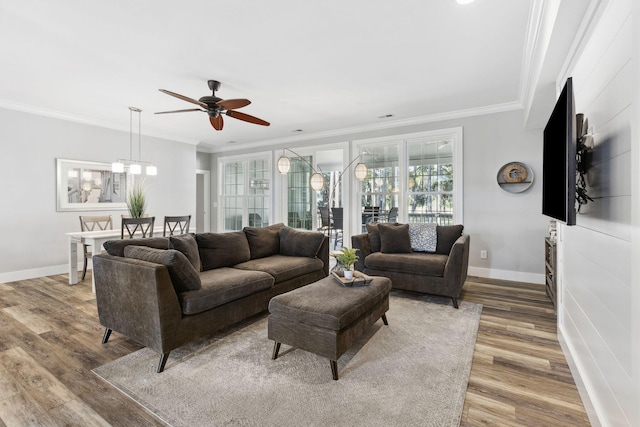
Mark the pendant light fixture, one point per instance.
(316, 181)
(135, 167)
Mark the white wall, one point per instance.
(509, 226)
(34, 243)
(598, 296)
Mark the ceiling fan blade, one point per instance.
(184, 98)
(217, 122)
(181, 111)
(246, 117)
(232, 104)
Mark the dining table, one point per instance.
(95, 239)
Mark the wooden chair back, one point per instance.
(176, 225)
(93, 223)
(143, 226)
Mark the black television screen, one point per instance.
(559, 159)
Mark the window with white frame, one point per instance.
(430, 181)
(413, 178)
(245, 193)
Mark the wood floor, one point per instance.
(51, 339)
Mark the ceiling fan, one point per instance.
(215, 107)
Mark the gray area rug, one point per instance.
(413, 372)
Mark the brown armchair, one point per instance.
(440, 273)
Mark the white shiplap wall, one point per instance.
(596, 320)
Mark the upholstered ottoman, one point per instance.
(325, 317)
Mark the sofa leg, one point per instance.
(163, 361)
(276, 349)
(334, 369)
(384, 319)
(455, 302)
(107, 334)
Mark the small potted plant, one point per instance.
(347, 257)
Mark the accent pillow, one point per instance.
(222, 249)
(394, 239)
(186, 243)
(300, 243)
(183, 276)
(374, 237)
(116, 247)
(423, 236)
(264, 241)
(447, 236)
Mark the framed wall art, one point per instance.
(89, 186)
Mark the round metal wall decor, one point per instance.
(515, 177)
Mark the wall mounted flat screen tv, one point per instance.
(559, 159)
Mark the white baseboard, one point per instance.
(580, 385)
(13, 276)
(515, 276)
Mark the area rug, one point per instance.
(413, 372)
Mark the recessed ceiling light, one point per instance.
(385, 116)
(297, 130)
(464, 1)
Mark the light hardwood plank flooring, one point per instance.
(51, 341)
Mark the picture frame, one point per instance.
(89, 186)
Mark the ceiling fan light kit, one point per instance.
(215, 107)
(135, 167)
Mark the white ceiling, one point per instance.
(321, 67)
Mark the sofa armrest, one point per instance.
(455, 270)
(136, 298)
(361, 242)
(323, 254)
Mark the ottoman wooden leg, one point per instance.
(384, 319)
(276, 349)
(334, 369)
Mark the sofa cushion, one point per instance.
(183, 276)
(263, 241)
(374, 237)
(116, 247)
(186, 243)
(222, 249)
(394, 238)
(417, 263)
(223, 285)
(300, 243)
(423, 236)
(283, 267)
(447, 236)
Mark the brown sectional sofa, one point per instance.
(441, 272)
(165, 292)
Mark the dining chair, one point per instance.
(93, 223)
(338, 224)
(393, 215)
(255, 220)
(325, 221)
(133, 225)
(173, 223)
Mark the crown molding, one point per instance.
(471, 112)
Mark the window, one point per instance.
(299, 198)
(245, 195)
(413, 178)
(380, 189)
(430, 181)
